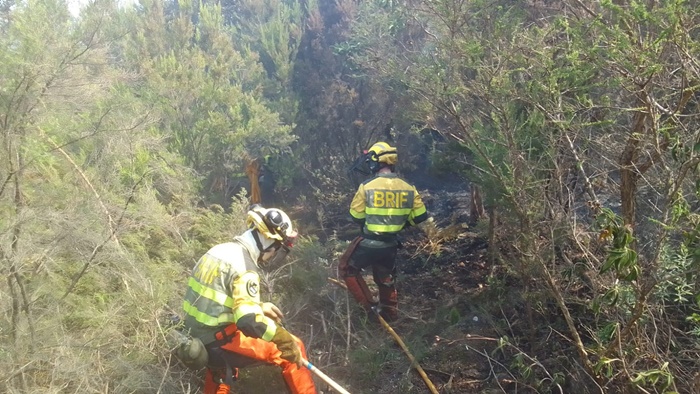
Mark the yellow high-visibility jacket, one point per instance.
(385, 204)
(225, 288)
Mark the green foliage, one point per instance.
(98, 216)
(694, 319)
(205, 88)
(621, 258)
(373, 362)
(306, 272)
(604, 366)
(273, 29)
(660, 378)
(620, 298)
(677, 277)
(606, 334)
(454, 316)
(285, 168)
(691, 238)
(214, 225)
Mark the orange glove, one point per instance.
(288, 346)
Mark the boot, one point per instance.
(360, 292)
(389, 301)
(214, 382)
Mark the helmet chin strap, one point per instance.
(263, 243)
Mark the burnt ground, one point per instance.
(446, 306)
(443, 285)
(444, 299)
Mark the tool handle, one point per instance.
(323, 376)
(413, 360)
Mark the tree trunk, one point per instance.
(252, 170)
(629, 173)
(493, 248)
(476, 210)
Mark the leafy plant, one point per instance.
(660, 378)
(621, 257)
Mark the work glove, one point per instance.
(288, 346)
(272, 311)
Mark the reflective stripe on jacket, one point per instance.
(386, 203)
(224, 286)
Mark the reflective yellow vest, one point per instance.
(386, 203)
(224, 286)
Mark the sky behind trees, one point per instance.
(74, 6)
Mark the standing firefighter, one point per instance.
(383, 206)
(223, 308)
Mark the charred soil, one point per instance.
(447, 311)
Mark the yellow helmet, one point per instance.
(381, 152)
(272, 223)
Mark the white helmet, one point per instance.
(272, 223)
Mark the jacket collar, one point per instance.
(386, 175)
(247, 240)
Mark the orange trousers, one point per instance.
(242, 351)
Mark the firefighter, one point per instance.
(223, 308)
(383, 206)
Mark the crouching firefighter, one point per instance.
(382, 206)
(224, 313)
